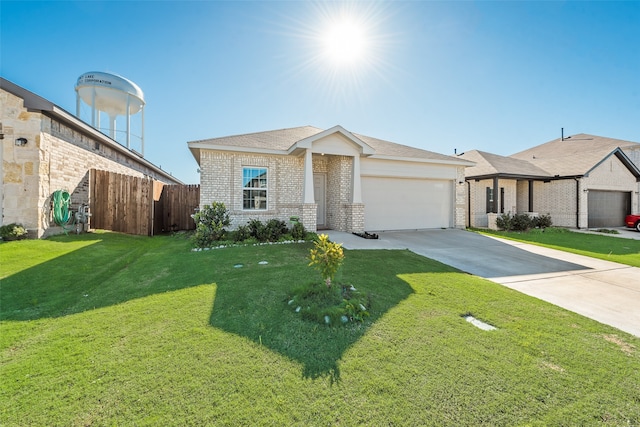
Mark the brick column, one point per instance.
(309, 217)
(355, 217)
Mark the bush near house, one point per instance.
(212, 220)
(522, 222)
(13, 232)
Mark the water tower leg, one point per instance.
(128, 115)
(112, 126)
(142, 132)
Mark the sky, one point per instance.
(444, 76)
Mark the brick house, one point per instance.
(582, 181)
(331, 179)
(44, 149)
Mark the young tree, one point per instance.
(326, 257)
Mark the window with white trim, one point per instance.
(254, 188)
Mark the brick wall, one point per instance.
(460, 214)
(558, 199)
(478, 200)
(221, 181)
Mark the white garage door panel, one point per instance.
(406, 204)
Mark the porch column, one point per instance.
(357, 185)
(496, 188)
(307, 193)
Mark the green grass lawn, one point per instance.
(107, 329)
(601, 246)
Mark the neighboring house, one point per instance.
(582, 181)
(331, 179)
(44, 149)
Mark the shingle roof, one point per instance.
(283, 139)
(573, 156)
(391, 149)
(280, 139)
(488, 164)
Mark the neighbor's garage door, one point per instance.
(406, 204)
(608, 208)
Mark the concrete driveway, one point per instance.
(604, 291)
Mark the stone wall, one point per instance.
(56, 157)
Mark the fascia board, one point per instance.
(515, 176)
(233, 149)
(465, 163)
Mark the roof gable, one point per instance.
(572, 156)
(321, 142)
(489, 165)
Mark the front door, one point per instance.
(319, 193)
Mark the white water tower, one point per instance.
(113, 95)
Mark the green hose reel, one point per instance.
(61, 211)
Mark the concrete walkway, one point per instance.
(604, 291)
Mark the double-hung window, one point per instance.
(254, 188)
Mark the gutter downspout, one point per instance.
(468, 204)
(577, 203)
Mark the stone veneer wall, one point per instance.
(56, 157)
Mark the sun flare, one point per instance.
(345, 43)
(344, 49)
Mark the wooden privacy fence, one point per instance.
(142, 206)
(174, 207)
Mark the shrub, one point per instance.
(297, 231)
(275, 229)
(542, 221)
(326, 257)
(13, 232)
(241, 234)
(258, 230)
(521, 222)
(210, 221)
(607, 231)
(517, 222)
(503, 222)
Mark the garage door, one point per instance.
(406, 204)
(608, 208)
